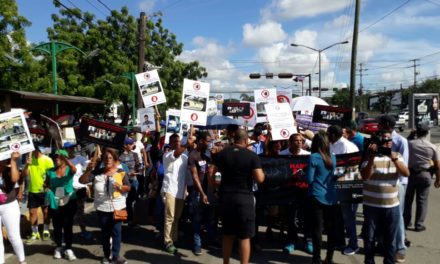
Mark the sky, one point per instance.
(233, 38)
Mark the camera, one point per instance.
(379, 141)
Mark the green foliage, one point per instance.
(341, 98)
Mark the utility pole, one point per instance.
(353, 54)
(141, 56)
(415, 71)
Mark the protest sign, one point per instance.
(194, 102)
(332, 115)
(173, 124)
(284, 96)
(102, 133)
(285, 177)
(14, 134)
(281, 120)
(251, 119)
(236, 109)
(262, 97)
(146, 119)
(150, 88)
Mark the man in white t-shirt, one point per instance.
(175, 164)
(341, 145)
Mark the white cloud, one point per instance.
(291, 9)
(146, 5)
(263, 34)
(340, 21)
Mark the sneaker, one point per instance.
(34, 237)
(407, 243)
(46, 235)
(400, 258)
(289, 248)
(106, 261)
(57, 254)
(198, 251)
(348, 251)
(171, 249)
(69, 255)
(309, 247)
(119, 260)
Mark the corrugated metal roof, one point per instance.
(53, 97)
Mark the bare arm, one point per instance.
(198, 184)
(400, 165)
(258, 175)
(437, 173)
(15, 174)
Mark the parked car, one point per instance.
(368, 126)
(404, 115)
(400, 122)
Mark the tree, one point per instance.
(341, 98)
(117, 41)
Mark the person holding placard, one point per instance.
(9, 208)
(61, 197)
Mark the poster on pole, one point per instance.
(284, 96)
(146, 119)
(251, 119)
(194, 102)
(423, 108)
(281, 120)
(150, 88)
(262, 97)
(14, 134)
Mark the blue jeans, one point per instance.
(110, 228)
(198, 210)
(385, 221)
(400, 236)
(131, 197)
(159, 213)
(349, 215)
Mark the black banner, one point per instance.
(236, 109)
(285, 179)
(102, 133)
(332, 115)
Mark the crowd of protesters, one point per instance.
(214, 180)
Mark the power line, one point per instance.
(99, 10)
(385, 16)
(74, 13)
(102, 3)
(432, 2)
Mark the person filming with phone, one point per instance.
(380, 173)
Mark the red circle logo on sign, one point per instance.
(15, 146)
(154, 98)
(147, 76)
(265, 93)
(282, 99)
(196, 86)
(284, 133)
(251, 114)
(194, 117)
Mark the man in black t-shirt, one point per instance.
(239, 167)
(198, 163)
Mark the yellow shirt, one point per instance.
(37, 173)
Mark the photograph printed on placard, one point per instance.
(101, 133)
(173, 125)
(150, 88)
(191, 102)
(11, 130)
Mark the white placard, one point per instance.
(195, 97)
(284, 96)
(281, 120)
(146, 119)
(14, 134)
(250, 120)
(262, 97)
(212, 108)
(151, 88)
(173, 124)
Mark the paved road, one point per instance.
(140, 246)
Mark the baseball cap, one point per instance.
(61, 152)
(128, 141)
(69, 145)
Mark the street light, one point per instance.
(53, 48)
(319, 56)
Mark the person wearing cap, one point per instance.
(35, 168)
(142, 155)
(422, 152)
(130, 158)
(80, 189)
(61, 197)
(400, 144)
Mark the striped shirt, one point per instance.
(381, 190)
